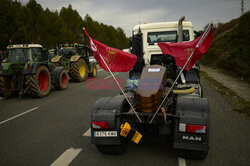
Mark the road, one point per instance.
(55, 131)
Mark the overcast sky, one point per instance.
(126, 13)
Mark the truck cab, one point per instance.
(152, 33)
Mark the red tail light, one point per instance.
(192, 128)
(196, 128)
(100, 125)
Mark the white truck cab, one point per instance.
(152, 33)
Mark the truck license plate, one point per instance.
(105, 133)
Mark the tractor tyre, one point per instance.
(111, 149)
(61, 78)
(5, 87)
(192, 154)
(39, 84)
(94, 71)
(78, 70)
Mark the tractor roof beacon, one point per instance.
(26, 70)
(184, 116)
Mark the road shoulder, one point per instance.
(226, 85)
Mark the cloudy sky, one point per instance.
(126, 13)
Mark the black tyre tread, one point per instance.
(191, 154)
(58, 82)
(3, 90)
(110, 149)
(32, 83)
(74, 71)
(92, 73)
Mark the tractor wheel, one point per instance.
(5, 87)
(78, 70)
(39, 84)
(192, 154)
(61, 78)
(94, 71)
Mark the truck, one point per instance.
(75, 59)
(184, 115)
(26, 70)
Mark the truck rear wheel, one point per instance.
(39, 84)
(192, 154)
(111, 149)
(78, 70)
(61, 78)
(5, 87)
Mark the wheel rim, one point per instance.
(82, 70)
(64, 79)
(43, 81)
(94, 71)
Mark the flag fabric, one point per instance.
(117, 60)
(182, 51)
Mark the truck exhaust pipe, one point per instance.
(180, 30)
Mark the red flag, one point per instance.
(117, 60)
(182, 51)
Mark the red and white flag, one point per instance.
(182, 51)
(117, 60)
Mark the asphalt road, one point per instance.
(54, 131)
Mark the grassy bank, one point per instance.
(230, 48)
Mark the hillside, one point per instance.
(230, 48)
(30, 23)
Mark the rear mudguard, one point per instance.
(75, 58)
(192, 111)
(107, 109)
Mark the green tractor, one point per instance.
(26, 70)
(75, 59)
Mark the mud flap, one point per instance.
(106, 109)
(193, 111)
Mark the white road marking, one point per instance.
(110, 76)
(1, 98)
(87, 133)
(100, 70)
(181, 162)
(14, 117)
(66, 157)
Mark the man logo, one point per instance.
(191, 138)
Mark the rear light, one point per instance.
(192, 128)
(100, 125)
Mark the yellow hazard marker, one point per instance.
(127, 130)
(137, 137)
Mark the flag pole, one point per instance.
(92, 43)
(197, 45)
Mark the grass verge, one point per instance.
(240, 105)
